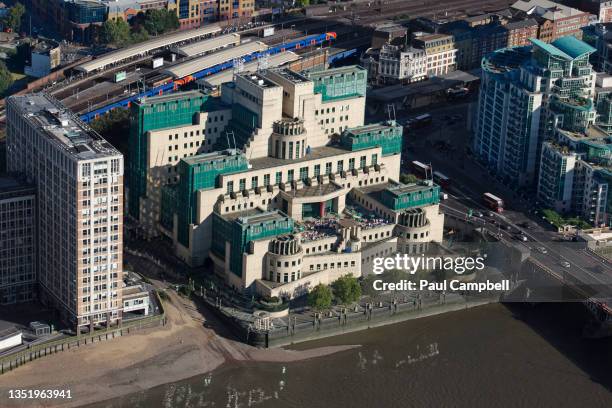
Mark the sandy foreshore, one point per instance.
(181, 349)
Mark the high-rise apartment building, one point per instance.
(576, 174)
(526, 93)
(78, 178)
(17, 241)
(556, 177)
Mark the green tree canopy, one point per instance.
(114, 127)
(346, 289)
(13, 20)
(408, 178)
(116, 32)
(159, 21)
(320, 298)
(6, 78)
(139, 35)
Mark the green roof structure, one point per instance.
(550, 49)
(573, 47)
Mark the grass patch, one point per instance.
(558, 220)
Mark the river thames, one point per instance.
(490, 356)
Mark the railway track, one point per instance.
(364, 14)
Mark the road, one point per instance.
(443, 145)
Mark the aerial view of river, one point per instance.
(490, 356)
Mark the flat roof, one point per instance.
(274, 61)
(334, 71)
(130, 292)
(431, 37)
(368, 128)
(202, 47)
(291, 76)
(397, 189)
(208, 157)
(505, 59)
(257, 79)
(143, 48)
(428, 86)
(177, 96)
(590, 133)
(208, 61)
(315, 153)
(254, 216)
(63, 127)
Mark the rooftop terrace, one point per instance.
(506, 59)
(315, 153)
(254, 216)
(316, 191)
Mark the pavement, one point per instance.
(442, 144)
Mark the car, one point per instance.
(523, 238)
(566, 264)
(491, 214)
(478, 214)
(543, 250)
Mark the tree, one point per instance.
(159, 21)
(346, 289)
(116, 32)
(114, 127)
(408, 178)
(139, 35)
(6, 78)
(13, 20)
(320, 298)
(367, 285)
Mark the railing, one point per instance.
(19, 358)
(570, 282)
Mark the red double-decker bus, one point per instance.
(493, 202)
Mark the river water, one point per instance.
(491, 356)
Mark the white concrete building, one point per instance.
(396, 64)
(277, 211)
